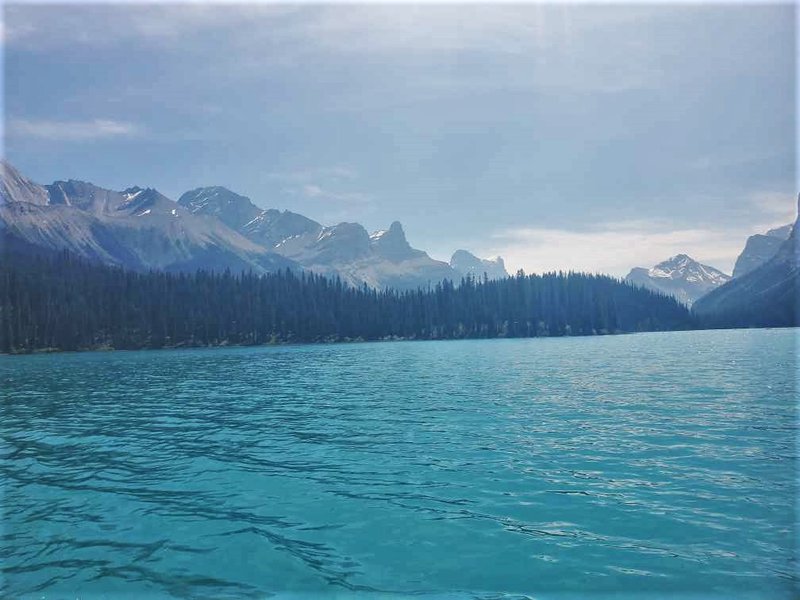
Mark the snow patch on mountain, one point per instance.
(679, 276)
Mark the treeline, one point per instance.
(64, 303)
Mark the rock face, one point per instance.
(680, 276)
(760, 248)
(467, 264)
(137, 228)
(16, 188)
(766, 296)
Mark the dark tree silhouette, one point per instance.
(65, 303)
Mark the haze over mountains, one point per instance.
(210, 228)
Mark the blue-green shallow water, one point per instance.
(660, 464)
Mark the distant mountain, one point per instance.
(465, 263)
(138, 228)
(285, 231)
(209, 228)
(680, 276)
(760, 248)
(383, 259)
(766, 296)
(230, 208)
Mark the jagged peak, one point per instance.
(139, 194)
(461, 253)
(138, 190)
(395, 234)
(397, 228)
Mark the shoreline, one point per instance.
(388, 339)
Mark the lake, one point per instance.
(660, 464)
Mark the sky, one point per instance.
(590, 137)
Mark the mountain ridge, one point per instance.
(137, 228)
(207, 228)
(382, 259)
(759, 248)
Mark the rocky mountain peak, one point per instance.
(465, 263)
(229, 207)
(392, 244)
(680, 276)
(15, 187)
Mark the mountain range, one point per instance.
(688, 280)
(213, 228)
(210, 228)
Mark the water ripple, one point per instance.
(513, 469)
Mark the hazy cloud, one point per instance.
(335, 173)
(781, 206)
(75, 131)
(317, 192)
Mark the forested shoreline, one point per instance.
(60, 302)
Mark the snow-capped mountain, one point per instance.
(760, 248)
(465, 263)
(680, 276)
(138, 228)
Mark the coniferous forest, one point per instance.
(61, 302)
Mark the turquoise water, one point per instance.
(646, 465)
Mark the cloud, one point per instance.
(97, 24)
(314, 191)
(552, 39)
(335, 173)
(71, 131)
(615, 248)
(780, 206)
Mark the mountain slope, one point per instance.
(680, 276)
(764, 297)
(137, 228)
(760, 248)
